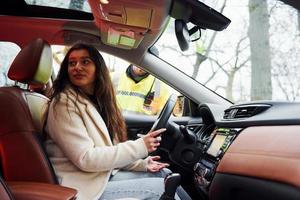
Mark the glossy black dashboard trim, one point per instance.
(280, 113)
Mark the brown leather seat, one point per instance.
(21, 120)
(34, 191)
(40, 191)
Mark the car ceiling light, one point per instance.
(104, 1)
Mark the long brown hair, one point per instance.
(103, 90)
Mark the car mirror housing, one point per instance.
(182, 34)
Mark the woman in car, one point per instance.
(87, 134)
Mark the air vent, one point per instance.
(244, 111)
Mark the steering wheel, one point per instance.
(162, 122)
(163, 117)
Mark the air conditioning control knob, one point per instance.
(203, 171)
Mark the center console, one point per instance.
(215, 146)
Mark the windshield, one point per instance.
(255, 58)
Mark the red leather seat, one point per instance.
(21, 120)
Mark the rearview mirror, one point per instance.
(182, 34)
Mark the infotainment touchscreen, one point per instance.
(216, 145)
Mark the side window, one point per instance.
(136, 90)
(139, 92)
(58, 54)
(8, 52)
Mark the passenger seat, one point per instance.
(21, 119)
(23, 158)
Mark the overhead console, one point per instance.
(124, 23)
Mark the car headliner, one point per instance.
(60, 20)
(20, 23)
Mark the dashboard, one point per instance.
(251, 144)
(247, 151)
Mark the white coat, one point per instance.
(80, 148)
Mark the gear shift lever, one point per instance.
(172, 181)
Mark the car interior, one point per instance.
(220, 150)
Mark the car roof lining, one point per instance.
(66, 28)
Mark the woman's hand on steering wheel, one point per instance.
(152, 139)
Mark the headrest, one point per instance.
(33, 64)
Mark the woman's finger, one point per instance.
(157, 132)
(156, 144)
(163, 164)
(155, 157)
(153, 170)
(166, 165)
